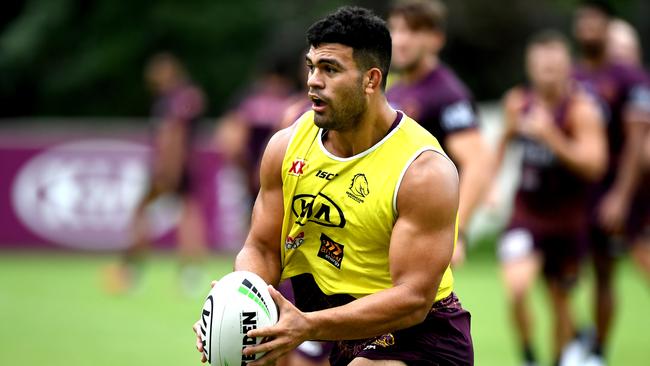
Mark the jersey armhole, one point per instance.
(406, 167)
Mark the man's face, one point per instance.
(411, 46)
(335, 87)
(590, 29)
(548, 64)
(161, 76)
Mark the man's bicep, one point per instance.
(261, 250)
(266, 222)
(423, 236)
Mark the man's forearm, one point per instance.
(260, 262)
(576, 157)
(475, 178)
(630, 163)
(370, 316)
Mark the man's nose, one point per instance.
(315, 81)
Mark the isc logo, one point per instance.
(325, 175)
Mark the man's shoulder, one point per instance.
(429, 167)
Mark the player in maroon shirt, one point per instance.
(242, 133)
(560, 129)
(623, 47)
(623, 91)
(429, 92)
(176, 111)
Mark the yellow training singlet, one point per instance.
(339, 212)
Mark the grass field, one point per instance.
(53, 312)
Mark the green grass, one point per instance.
(54, 312)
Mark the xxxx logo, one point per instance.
(298, 167)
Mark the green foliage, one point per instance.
(77, 57)
(72, 57)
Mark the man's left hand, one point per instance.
(291, 330)
(612, 212)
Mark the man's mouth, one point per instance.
(318, 105)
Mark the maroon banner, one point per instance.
(80, 193)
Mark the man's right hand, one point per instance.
(197, 331)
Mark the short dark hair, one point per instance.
(603, 6)
(547, 36)
(360, 29)
(421, 14)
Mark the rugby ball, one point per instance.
(238, 302)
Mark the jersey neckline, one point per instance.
(365, 152)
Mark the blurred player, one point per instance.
(429, 92)
(622, 44)
(561, 131)
(623, 47)
(358, 208)
(244, 131)
(623, 91)
(176, 111)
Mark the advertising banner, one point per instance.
(80, 193)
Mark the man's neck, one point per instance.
(374, 125)
(593, 62)
(421, 69)
(553, 96)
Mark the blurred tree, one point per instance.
(86, 57)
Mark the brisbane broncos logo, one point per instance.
(359, 188)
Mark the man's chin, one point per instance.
(320, 120)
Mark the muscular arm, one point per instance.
(171, 140)
(615, 205)
(474, 159)
(636, 125)
(420, 250)
(512, 104)
(261, 251)
(586, 151)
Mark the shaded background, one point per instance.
(73, 68)
(80, 57)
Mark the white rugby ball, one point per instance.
(239, 302)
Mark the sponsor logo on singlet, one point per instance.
(322, 211)
(297, 167)
(358, 188)
(325, 175)
(331, 251)
(294, 243)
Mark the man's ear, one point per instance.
(372, 80)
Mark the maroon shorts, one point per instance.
(315, 351)
(562, 253)
(443, 338)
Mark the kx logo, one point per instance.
(317, 209)
(297, 167)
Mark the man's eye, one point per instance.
(329, 69)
